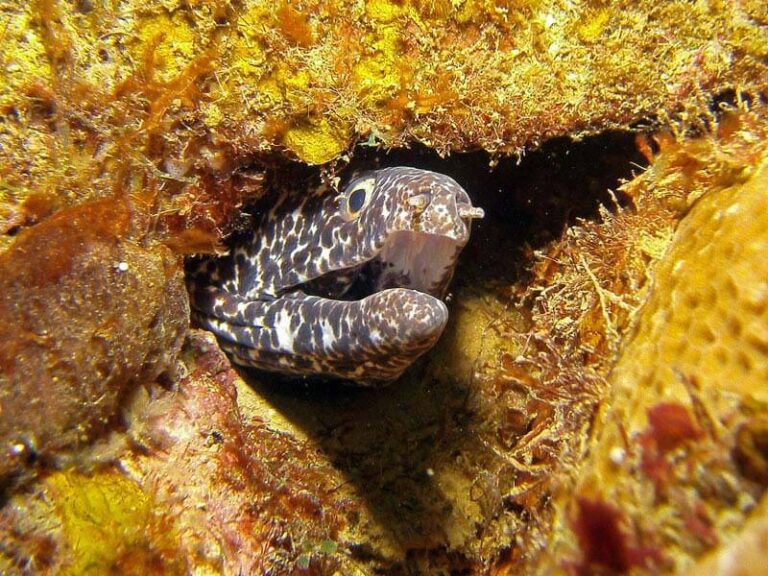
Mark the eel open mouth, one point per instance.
(422, 254)
(418, 250)
(418, 261)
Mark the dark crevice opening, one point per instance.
(529, 201)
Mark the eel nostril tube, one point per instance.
(472, 212)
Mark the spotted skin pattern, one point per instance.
(343, 285)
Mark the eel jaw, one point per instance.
(418, 261)
(420, 252)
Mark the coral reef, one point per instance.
(169, 100)
(133, 133)
(101, 523)
(476, 461)
(209, 490)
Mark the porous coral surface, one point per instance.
(680, 442)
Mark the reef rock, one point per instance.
(85, 315)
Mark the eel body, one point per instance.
(345, 285)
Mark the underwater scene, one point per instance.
(383, 287)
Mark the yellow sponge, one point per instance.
(707, 317)
(680, 439)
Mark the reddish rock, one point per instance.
(86, 313)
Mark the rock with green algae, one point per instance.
(87, 313)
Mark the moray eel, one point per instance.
(344, 285)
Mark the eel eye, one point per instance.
(357, 200)
(356, 197)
